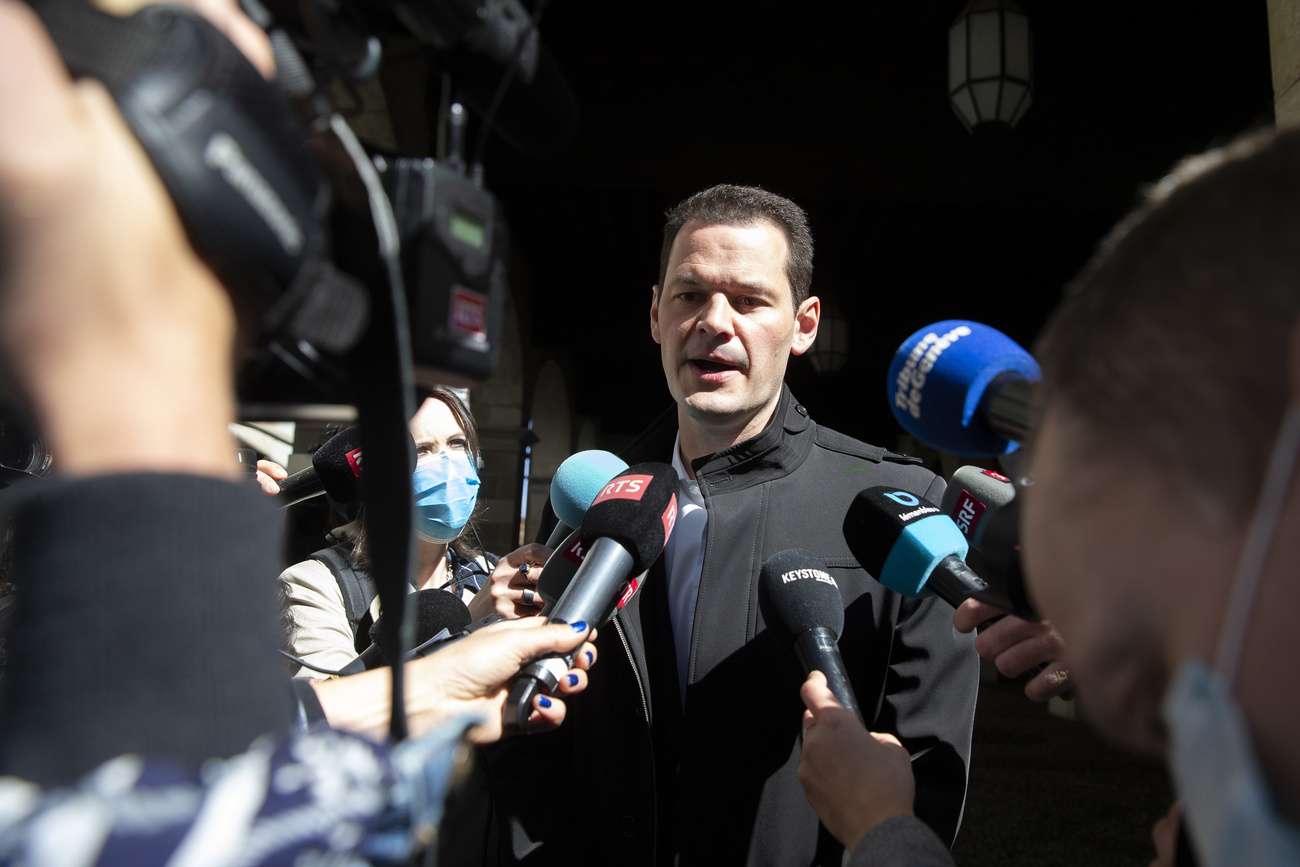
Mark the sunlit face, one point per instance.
(435, 429)
(1133, 578)
(726, 323)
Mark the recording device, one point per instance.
(983, 505)
(914, 549)
(576, 483)
(804, 611)
(964, 388)
(623, 533)
(437, 612)
(335, 470)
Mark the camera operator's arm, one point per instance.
(113, 329)
(1017, 646)
(860, 783)
(145, 619)
(471, 677)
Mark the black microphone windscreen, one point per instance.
(338, 464)
(796, 593)
(637, 509)
(435, 610)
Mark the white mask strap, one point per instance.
(1259, 541)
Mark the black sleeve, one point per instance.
(146, 623)
(901, 842)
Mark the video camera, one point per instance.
(284, 202)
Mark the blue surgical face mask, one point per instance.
(1226, 801)
(446, 488)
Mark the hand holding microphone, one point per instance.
(852, 777)
(623, 532)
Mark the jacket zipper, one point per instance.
(645, 709)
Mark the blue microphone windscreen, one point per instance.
(940, 374)
(579, 479)
(920, 548)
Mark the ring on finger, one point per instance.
(529, 596)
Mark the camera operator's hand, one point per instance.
(111, 327)
(854, 779)
(1017, 646)
(511, 591)
(470, 677)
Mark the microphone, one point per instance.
(335, 470)
(436, 611)
(911, 547)
(576, 483)
(803, 609)
(983, 505)
(623, 533)
(964, 388)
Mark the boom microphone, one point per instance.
(964, 388)
(576, 483)
(911, 547)
(984, 507)
(623, 532)
(335, 470)
(803, 609)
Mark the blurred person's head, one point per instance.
(1168, 372)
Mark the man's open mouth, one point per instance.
(712, 366)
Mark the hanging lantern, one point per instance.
(990, 64)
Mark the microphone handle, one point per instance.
(589, 598)
(558, 535)
(1008, 406)
(302, 485)
(817, 649)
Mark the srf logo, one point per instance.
(670, 517)
(969, 512)
(624, 488)
(354, 461)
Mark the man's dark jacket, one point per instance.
(633, 777)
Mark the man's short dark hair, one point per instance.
(1172, 346)
(733, 205)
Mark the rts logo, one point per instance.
(354, 461)
(670, 517)
(624, 488)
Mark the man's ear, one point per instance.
(805, 324)
(654, 313)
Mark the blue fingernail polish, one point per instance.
(591, 657)
(543, 701)
(580, 626)
(573, 680)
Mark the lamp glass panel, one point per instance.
(1024, 106)
(965, 106)
(985, 44)
(986, 99)
(1017, 36)
(957, 54)
(1012, 93)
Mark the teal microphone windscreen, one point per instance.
(579, 479)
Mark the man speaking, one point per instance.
(687, 753)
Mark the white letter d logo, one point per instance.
(903, 498)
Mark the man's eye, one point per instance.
(748, 301)
(687, 296)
